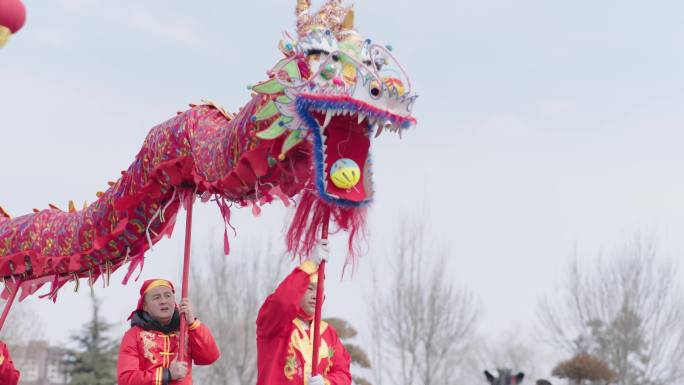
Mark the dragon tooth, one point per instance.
(378, 131)
(328, 117)
(360, 118)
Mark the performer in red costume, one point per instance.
(149, 348)
(9, 375)
(285, 333)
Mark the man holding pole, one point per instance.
(149, 349)
(285, 333)
(9, 375)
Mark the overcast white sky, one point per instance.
(543, 126)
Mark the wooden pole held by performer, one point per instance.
(190, 199)
(319, 301)
(8, 305)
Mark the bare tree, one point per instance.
(422, 325)
(359, 357)
(513, 349)
(227, 295)
(17, 329)
(22, 325)
(627, 311)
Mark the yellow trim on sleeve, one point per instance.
(2, 358)
(194, 325)
(308, 267)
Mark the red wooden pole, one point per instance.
(190, 199)
(8, 305)
(319, 301)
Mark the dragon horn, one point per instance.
(303, 7)
(303, 16)
(348, 22)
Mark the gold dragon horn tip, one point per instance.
(303, 16)
(303, 6)
(348, 22)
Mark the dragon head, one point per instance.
(336, 90)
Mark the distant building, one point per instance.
(40, 364)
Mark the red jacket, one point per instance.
(285, 345)
(145, 355)
(8, 374)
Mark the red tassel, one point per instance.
(225, 213)
(226, 244)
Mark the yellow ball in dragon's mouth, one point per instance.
(345, 173)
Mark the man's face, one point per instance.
(308, 301)
(160, 304)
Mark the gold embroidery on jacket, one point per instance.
(331, 354)
(148, 344)
(302, 342)
(290, 362)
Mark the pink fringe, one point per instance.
(307, 222)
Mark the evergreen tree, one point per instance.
(621, 344)
(93, 362)
(584, 368)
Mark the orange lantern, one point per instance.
(12, 18)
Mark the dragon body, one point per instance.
(304, 137)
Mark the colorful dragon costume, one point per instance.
(305, 134)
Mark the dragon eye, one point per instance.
(375, 89)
